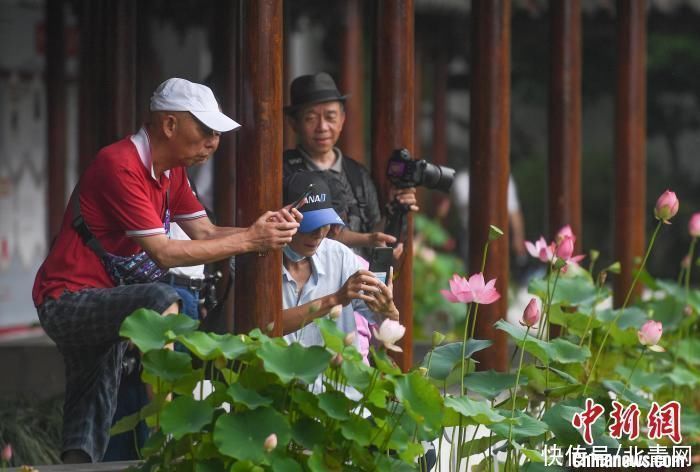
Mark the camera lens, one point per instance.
(438, 177)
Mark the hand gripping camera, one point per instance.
(404, 172)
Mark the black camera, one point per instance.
(404, 172)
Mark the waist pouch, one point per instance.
(138, 268)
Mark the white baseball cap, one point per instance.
(182, 95)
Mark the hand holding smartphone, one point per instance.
(380, 263)
(299, 202)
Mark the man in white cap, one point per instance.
(113, 248)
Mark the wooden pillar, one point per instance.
(107, 81)
(393, 128)
(630, 141)
(351, 80)
(565, 118)
(224, 46)
(258, 296)
(490, 167)
(56, 119)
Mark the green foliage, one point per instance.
(262, 386)
(268, 392)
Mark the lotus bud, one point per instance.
(688, 310)
(531, 315)
(349, 339)
(438, 338)
(337, 360)
(423, 371)
(565, 249)
(615, 267)
(335, 312)
(270, 327)
(594, 254)
(650, 333)
(666, 206)
(6, 453)
(694, 225)
(270, 442)
(564, 232)
(685, 262)
(220, 362)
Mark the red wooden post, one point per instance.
(630, 141)
(258, 296)
(351, 81)
(224, 66)
(393, 116)
(56, 111)
(490, 166)
(565, 118)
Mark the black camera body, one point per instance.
(404, 172)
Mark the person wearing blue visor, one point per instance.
(320, 273)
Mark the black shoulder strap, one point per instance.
(353, 171)
(79, 224)
(292, 162)
(82, 228)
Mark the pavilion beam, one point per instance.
(393, 127)
(224, 45)
(56, 110)
(565, 118)
(630, 142)
(258, 281)
(351, 80)
(489, 165)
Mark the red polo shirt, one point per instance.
(119, 197)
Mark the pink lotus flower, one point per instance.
(531, 315)
(540, 249)
(389, 333)
(270, 442)
(666, 206)
(565, 251)
(6, 453)
(483, 293)
(694, 225)
(459, 291)
(650, 333)
(565, 232)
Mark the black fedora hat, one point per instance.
(313, 88)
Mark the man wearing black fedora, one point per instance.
(317, 114)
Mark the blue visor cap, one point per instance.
(318, 210)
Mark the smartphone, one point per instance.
(299, 202)
(380, 262)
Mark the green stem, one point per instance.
(544, 321)
(590, 319)
(515, 389)
(624, 305)
(634, 367)
(464, 347)
(691, 253)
